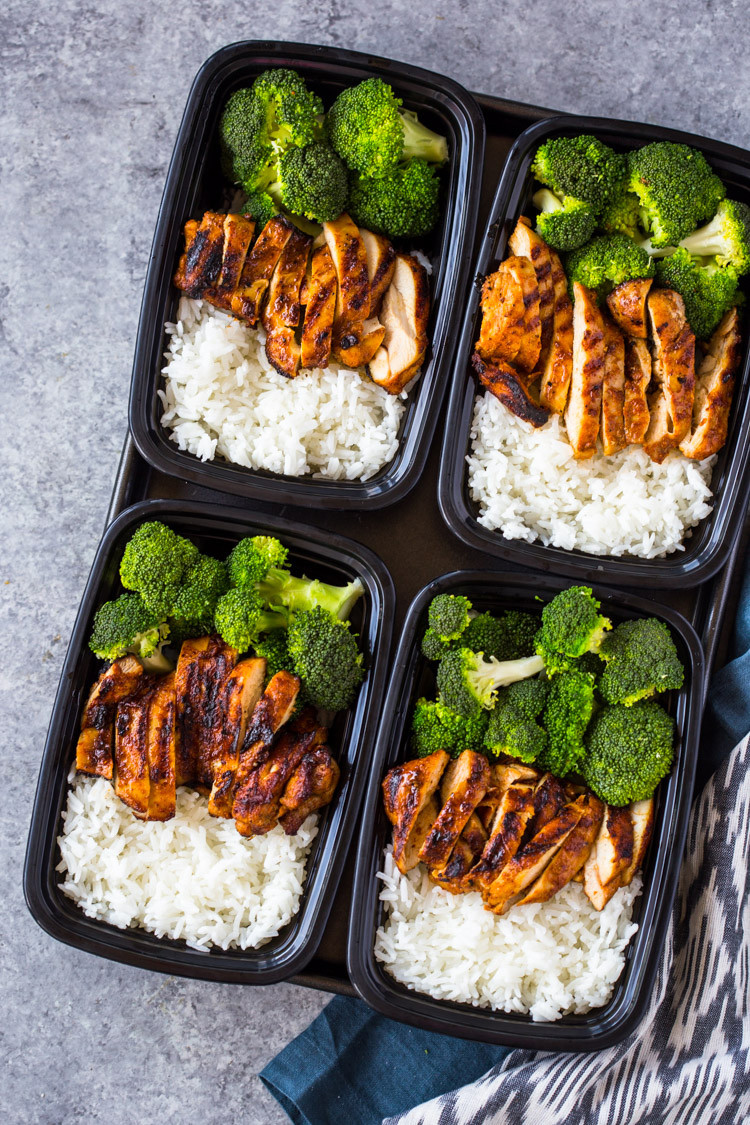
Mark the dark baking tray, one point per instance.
(215, 530)
(194, 184)
(709, 545)
(412, 676)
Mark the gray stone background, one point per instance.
(92, 95)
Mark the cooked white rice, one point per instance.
(529, 486)
(222, 397)
(192, 877)
(548, 959)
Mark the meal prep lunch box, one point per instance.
(195, 184)
(413, 677)
(708, 546)
(215, 530)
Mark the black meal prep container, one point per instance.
(215, 529)
(709, 545)
(195, 184)
(412, 677)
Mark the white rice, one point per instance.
(222, 397)
(548, 959)
(529, 486)
(193, 877)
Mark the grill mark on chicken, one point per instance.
(381, 264)
(202, 668)
(506, 385)
(627, 304)
(256, 805)
(271, 712)
(408, 792)
(353, 292)
(511, 324)
(283, 312)
(132, 780)
(238, 234)
(714, 390)
(320, 297)
(610, 857)
(558, 369)
(190, 231)
(585, 397)
(241, 690)
(613, 391)
(469, 786)
(259, 265)
(310, 787)
(673, 372)
(526, 243)
(507, 829)
(404, 315)
(636, 414)
(572, 855)
(123, 678)
(203, 255)
(161, 749)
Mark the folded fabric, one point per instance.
(727, 717)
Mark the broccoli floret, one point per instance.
(154, 563)
(193, 608)
(676, 189)
(403, 202)
(590, 662)
(448, 615)
(580, 168)
(641, 660)
(433, 646)
(628, 751)
(247, 153)
(571, 626)
(708, 291)
(127, 625)
(252, 558)
(435, 727)
(622, 216)
(261, 206)
(726, 238)
(512, 727)
(505, 638)
(371, 133)
(241, 618)
(274, 649)
(563, 224)
(467, 683)
(282, 590)
(607, 261)
(292, 112)
(526, 697)
(325, 656)
(311, 181)
(569, 707)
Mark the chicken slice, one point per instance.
(642, 817)
(673, 370)
(123, 678)
(610, 857)
(257, 806)
(310, 787)
(241, 691)
(408, 793)
(572, 855)
(320, 308)
(202, 668)
(558, 366)
(202, 260)
(466, 852)
(282, 312)
(271, 712)
(381, 264)
(504, 382)
(511, 325)
(404, 315)
(585, 397)
(526, 243)
(506, 831)
(161, 749)
(470, 780)
(132, 775)
(549, 798)
(613, 391)
(238, 234)
(191, 229)
(713, 390)
(637, 378)
(260, 263)
(502, 776)
(627, 304)
(353, 293)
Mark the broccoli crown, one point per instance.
(433, 646)
(726, 238)
(261, 206)
(590, 662)
(240, 618)
(571, 626)
(676, 189)
(570, 704)
(628, 751)
(154, 563)
(608, 260)
(246, 150)
(401, 203)
(508, 637)
(581, 167)
(435, 727)
(291, 111)
(282, 590)
(641, 660)
(126, 625)
(708, 291)
(325, 656)
(467, 683)
(448, 615)
(564, 225)
(512, 728)
(193, 608)
(252, 558)
(275, 651)
(622, 215)
(526, 697)
(312, 181)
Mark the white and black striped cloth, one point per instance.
(689, 1061)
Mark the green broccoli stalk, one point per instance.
(435, 727)
(154, 563)
(311, 182)
(193, 608)
(641, 660)
(325, 656)
(241, 618)
(726, 238)
(580, 169)
(571, 627)
(607, 261)
(628, 751)
(467, 683)
(569, 707)
(512, 728)
(402, 202)
(563, 224)
(252, 558)
(283, 591)
(707, 290)
(676, 189)
(127, 626)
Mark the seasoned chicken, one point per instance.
(310, 787)
(161, 749)
(241, 691)
(404, 314)
(610, 857)
(506, 831)
(549, 798)
(353, 293)
(585, 397)
(572, 855)
(469, 784)
(642, 818)
(202, 667)
(524, 242)
(558, 366)
(713, 391)
(238, 234)
(511, 327)
(202, 259)
(613, 391)
(121, 680)
(506, 385)
(502, 776)
(637, 378)
(270, 713)
(191, 229)
(673, 371)
(259, 265)
(282, 311)
(467, 850)
(381, 264)
(627, 304)
(408, 791)
(132, 775)
(320, 308)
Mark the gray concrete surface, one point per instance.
(92, 94)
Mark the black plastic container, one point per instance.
(195, 184)
(708, 546)
(215, 529)
(412, 677)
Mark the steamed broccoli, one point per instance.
(628, 751)
(508, 637)
(580, 168)
(325, 656)
(247, 153)
(283, 591)
(193, 608)
(467, 683)
(371, 133)
(563, 224)
(435, 727)
(241, 618)
(261, 206)
(127, 625)
(708, 291)
(311, 181)
(274, 649)
(569, 707)
(433, 646)
(448, 615)
(512, 728)
(726, 238)
(607, 261)
(402, 202)
(676, 188)
(154, 562)
(571, 627)
(622, 215)
(641, 660)
(252, 558)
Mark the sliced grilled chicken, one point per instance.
(132, 775)
(381, 264)
(549, 798)
(320, 308)
(637, 378)
(94, 749)
(360, 353)
(162, 715)
(241, 691)
(642, 817)
(466, 852)
(310, 787)
(713, 390)
(504, 382)
(511, 325)
(610, 857)
(613, 391)
(469, 784)
(203, 256)
(585, 397)
(501, 777)
(404, 314)
(673, 372)
(353, 293)
(238, 234)
(260, 263)
(571, 857)
(558, 366)
(524, 242)
(627, 304)
(408, 792)
(282, 312)
(256, 808)
(202, 668)
(191, 229)
(271, 712)
(506, 831)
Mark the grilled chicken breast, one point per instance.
(627, 304)
(381, 264)
(613, 391)
(310, 787)
(610, 857)
(260, 263)
(468, 785)
(467, 850)
(257, 805)
(282, 311)
(191, 229)
(511, 327)
(504, 382)
(162, 714)
(713, 391)
(353, 293)
(549, 798)
(642, 819)
(557, 368)
(238, 234)
(572, 854)
(202, 668)
(408, 792)
(585, 398)
(404, 314)
(506, 831)
(673, 370)
(320, 309)
(132, 774)
(123, 678)
(269, 715)
(635, 409)
(200, 268)
(241, 691)
(524, 242)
